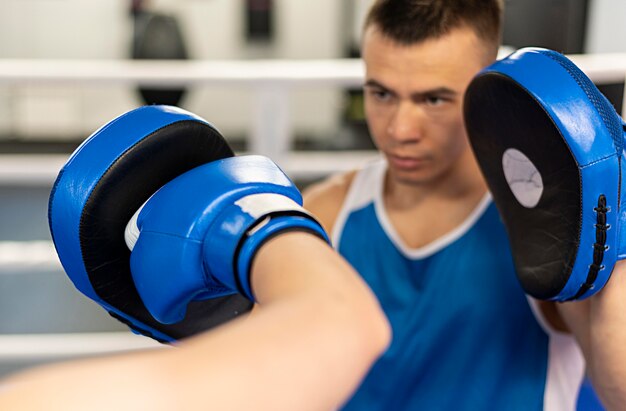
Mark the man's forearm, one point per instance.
(317, 332)
(607, 340)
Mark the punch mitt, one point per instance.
(550, 147)
(104, 182)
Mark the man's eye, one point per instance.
(434, 101)
(380, 95)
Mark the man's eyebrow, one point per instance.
(374, 83)
(438, 91)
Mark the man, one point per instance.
(420, 227)
(465, 336)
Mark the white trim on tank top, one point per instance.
(368, 186)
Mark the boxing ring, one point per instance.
(52, 321)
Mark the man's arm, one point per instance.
(599, 324)
(317, 332)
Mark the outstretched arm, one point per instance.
(317, 332)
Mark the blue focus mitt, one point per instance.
(164, 183)
(550, 146)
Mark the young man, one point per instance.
(422, 231)
(420, 227)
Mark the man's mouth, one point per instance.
(406, 162)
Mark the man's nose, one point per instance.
(406, 124)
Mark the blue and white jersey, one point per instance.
(465, 336)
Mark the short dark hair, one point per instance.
(412, 21)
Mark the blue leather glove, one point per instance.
(197, 236)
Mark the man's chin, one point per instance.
(412, 178)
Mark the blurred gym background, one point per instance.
(304, 110)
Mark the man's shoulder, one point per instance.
(325, 198)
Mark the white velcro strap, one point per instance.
(131, 233)
(259, 205)
(256, 205)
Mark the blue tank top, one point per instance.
(465, 337)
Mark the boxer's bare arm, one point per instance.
(317, 333)
(599, 326)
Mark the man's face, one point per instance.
(414, 101)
